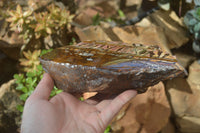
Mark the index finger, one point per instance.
(116, 104)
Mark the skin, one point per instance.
(64, 113)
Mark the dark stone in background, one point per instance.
(8, 67)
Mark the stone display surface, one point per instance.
(109, 67)
(184, 95)
(146, 113)
(10, 118)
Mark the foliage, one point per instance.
(121, 14)
(73, 41)
(21, 21)
(32, 24)
(108, 129)
(4, 5)
(31, 59)
(96, 19)
(27, 82)
(55, 91)
(192, 21)
(81, 99)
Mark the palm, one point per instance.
(65, 113)
(84, 117)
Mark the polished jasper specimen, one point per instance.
(109, 67)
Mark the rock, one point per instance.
(147, 5)
(169, 128)
(188, 124)
(8, 67)
(185, 55)
(109, 8)
(12, 52)
(184, 97)
(109, 67)
(104, 8)
(92, 33)
(70, 4)
(10, 42)
(144, 23)
(173, 27)
(83, 19)
(130, 7)
(151, 35)
(88, 95)
(9, 115)
(194, 73)
(12, 39)
(184, 59)
(147, 113)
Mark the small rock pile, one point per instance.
(10, 117)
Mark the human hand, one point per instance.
(66, 114)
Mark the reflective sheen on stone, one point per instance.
(109, 67)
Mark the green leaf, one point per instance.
(18, 81)
(55, 88)
(34, 72)
(24, 96)
(81, 99)
(96, 19)
(19, 86)
(29, 80)
(16, 76)
(108, 129)
(20, 108)
(109, 20)
(39, 67)
(30, 91)
(41, 76)
(73, 41)
(196, 35)
(30, 74)
(59, 91)
(192, 21)
(53, 93)
(121, 13)
(197, 27)
(39, 73)
(23, 80)
(34, 84)
(44, 51)
(24, 90)
(198, 11)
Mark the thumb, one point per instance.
(44, 88)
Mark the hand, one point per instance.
(66, 114)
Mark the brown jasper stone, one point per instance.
(108, 67)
